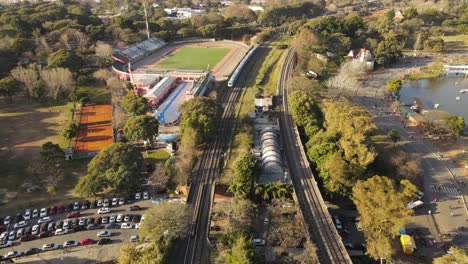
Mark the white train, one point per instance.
(241, 66)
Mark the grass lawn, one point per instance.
(97, 94)
(456, 42)
(193, 58)
(160, 155)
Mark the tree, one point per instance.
(134, 104)
(381, 223)
(201, 115)
(28, 77)
(239, 214)
(65, 59)
(434, 44)
(70, 131)
(393, 136)
(141, 127)
(457, 255)
(52, 190)
(348, 78)
(242, 251)
(51, 152)
(304, 110)
(388, 50)
(393, 86)
(58, 81)
(103, 52)
(9, 87)
(243, 169)
(185, 161)
(456, 124)
(165, 222)
(90, 185)
(240, 13)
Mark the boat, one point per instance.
(463, 90)
(457, 98)
(436, 106)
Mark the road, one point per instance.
(320, 227)
(86, 253)
(195, 249)
(444, 185)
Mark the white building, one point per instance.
(183, 13)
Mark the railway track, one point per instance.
(202, 189)
(318, 222)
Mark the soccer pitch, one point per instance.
(192, 58)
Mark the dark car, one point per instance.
(19, 217)
(32, 251)
(59, 224)
(136, 219)
(70, 207)
(74, 222)
(44, 234)
(2, 227)
(93, 227)
(26, 238)
(112, 226)
(134, 208)
(52, 209)
(43, 227)
(98, 220)
(90, 221)
(93, 204)
(60, 209)
(104, 241)
(73, 214)
(27, 230)
(78, 228)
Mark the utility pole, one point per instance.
(146, 19)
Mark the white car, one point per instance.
(112, 219)
(20, 232)
(105, 203)
(66, 224)
(104, 210)
(27, 214)
(7, 220)
(43, 212)
(134, 238)
(258, 242)
(21, 224)
(105, 220)
(13, 254)
(3, 235)
(5, 244)
(121, 201)
(137, 196)
(337, 222)
(126, 226)
(50, 246)
(12, 235)
(142, 218)
(104, 233)
(99, 203)
(137, 226)
(76, 206)
(145, 195)
(82, 221)
(61, 231)
(35, 213)
(35, 230)
(115, 202)
(46, 219)
(119, 218)
(70, 243)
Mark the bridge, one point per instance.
(457, 69)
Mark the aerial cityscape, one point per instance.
(239, 132)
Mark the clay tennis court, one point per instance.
(95, 132)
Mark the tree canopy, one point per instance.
(134, 104)
(382, 223)
(243, 170)
(9, 87)
(456, 124)
(457, 255)
(201, 115)
(117, 166)
(141, 127)
(393, 86)
(65, 59)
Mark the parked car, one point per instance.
(86, 241)
(7, 220)
(337, 222)
(66, 224)
(19, 217)
(134, 238)
(137, 196)
(121, 201)
(26, 238)
(73, 214)
(82, 222)
(4, 235)
(13, 254)
(145, 195)
(69, 207)
(119, 218)
(61, 231)
(5, 244)
(60, 209)
(27, 230)
(35, 213)
(51, 226)
(27, 214)
(104, 241)
(46, 219)
(111, 226)
(137, 226)
(32, 251)
(134, 208)
(105, 220)
(43, 227)
(70, 243)
(85, 205)
(43, 212)
(98, 220)
(99, 203)
(112, 218)
(104, 210)
(19, 232)
(105, 203)
(136, 218)
(59, 224)
(76, 206)
(50, 246)
(12, 235)
(126, 226)
(93, 227)
(115, 202)
(52, 209)
(35, 230)
(21, 224)
(104, 233)
(127, 218)
(44, 234)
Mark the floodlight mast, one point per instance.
(146, 19)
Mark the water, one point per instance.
(442, 91)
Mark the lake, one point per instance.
(442, 91)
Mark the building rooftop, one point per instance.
(160, 87)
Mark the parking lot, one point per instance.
(93, 251)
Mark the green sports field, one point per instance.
(192, 58)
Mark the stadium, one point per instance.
(169, 74)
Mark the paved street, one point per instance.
(83, 254)
(444, 187)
